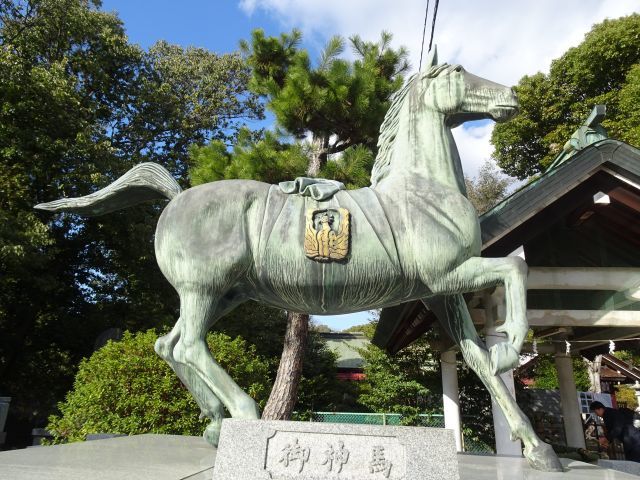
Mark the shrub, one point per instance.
(126, 388)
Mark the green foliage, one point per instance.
(340, 103)
(488, 188)
(475, 408)
(627, 395)
(368, 329)
(630, 356)
(79, 105)
(603, 69)
(545, 374)
(410, 383)
(352, 167)
(260, 325)
(264, 327)
(403, 383)
(320, 389)
(266, 159)
(126, 388)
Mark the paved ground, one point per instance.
(140, 457)
(172, 457)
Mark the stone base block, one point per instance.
(271, 450)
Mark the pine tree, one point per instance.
(333, 109)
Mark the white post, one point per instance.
(504, 444)
(568, 401)
(636, 387)
(450, 395)
(4, 411)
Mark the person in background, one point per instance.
(619, 425)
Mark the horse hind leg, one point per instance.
(454, 317)
(199, 310)
(209, 403)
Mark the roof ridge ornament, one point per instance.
(590, 132)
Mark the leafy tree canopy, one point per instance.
(603, 69)
(488, 188)
(79, 105)
(545, 374)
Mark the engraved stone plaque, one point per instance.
(256, 450)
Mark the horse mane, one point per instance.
(391, 122)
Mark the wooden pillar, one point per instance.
(569, 401)
(450, 395)
(504, 444)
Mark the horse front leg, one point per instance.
(454, 317)
(478, 273)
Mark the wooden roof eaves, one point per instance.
(523, 204)
(610, 154)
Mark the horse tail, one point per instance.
(146, 181)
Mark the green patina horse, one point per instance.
(411, 235)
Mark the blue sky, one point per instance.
(497, 39)
(218, 26)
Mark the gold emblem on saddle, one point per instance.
(326, 236)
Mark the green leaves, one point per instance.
(338, 103)
(553, 106)
(266, 159)
(79, 106)
(488, 188)
(126, 388)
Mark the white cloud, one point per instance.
(473, 145)
(501, 40)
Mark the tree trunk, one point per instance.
(285, 389)
(319, 155)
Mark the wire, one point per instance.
(433, 24)
(424, 31)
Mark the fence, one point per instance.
(470, 442)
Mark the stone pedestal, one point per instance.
(272, 450)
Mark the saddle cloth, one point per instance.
(284, 226)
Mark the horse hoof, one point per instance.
(503, 358)
(212, 433)
(543, 458)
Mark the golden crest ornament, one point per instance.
(326, 236)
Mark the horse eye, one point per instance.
(458, 69)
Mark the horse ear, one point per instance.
(432, 58)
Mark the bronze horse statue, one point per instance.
(411, 235)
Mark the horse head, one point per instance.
(461, 96)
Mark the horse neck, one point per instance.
(424, 147)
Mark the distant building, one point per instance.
(347, 346)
